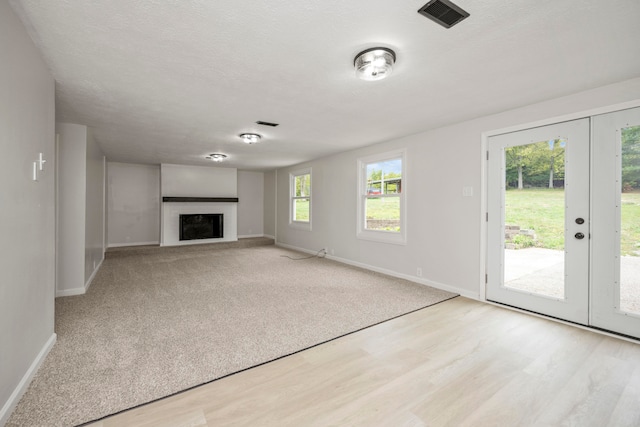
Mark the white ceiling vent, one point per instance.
(443, 12)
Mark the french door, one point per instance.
(564, 220)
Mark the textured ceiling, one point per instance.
(163, 81)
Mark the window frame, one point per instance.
(384, 236)
(303, 225)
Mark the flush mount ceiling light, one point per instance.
(250, 138)
(217, 157)
(375, 63)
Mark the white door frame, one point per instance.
(605, 293)
(483, 171)
(575, 302)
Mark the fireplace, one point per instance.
(201, 226)
(174, 208)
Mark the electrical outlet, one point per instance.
(419, 272)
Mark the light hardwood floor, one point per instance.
(458, 363)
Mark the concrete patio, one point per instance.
(541, 271)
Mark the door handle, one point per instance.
(579, 236)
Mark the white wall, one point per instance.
(27, 216)
(94, 208)
(250, 204)
(80, 203)
(444, 228)
(133, 206)
(198, 181)
(269, 204)
(71, 200)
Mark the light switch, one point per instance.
(467, 191)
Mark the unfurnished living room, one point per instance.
(360, 213)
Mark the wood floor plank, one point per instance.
(460, 362)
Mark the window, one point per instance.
(381, 194)
(300, 205)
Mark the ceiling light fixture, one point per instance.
(375, 63)
(217, 157)
(250, 138)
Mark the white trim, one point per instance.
(483, 185)
(269, 236)
(70, 292)
(300, 225)
(80, 291)
(249, 236)
(93, 275)
(484, 191)
(275, 203)
(433, 284)
(122, 245)
(19, 391)
(566, 118)
(564, 322)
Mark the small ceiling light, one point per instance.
(375, 63)
(250, 138)
(217, 157)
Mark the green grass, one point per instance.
(542, 210)
(383, 208)
(302, 210)
(630, 223)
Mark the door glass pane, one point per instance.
(534, 206)
(629, 230)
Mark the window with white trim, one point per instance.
(300, 199)
(381, 197)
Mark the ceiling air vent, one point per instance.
(443, 12)
(267, 123)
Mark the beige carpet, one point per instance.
(157, 322)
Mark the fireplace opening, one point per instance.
(201, 226)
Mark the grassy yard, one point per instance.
(542, 210)
(302, 210)
(384, 208)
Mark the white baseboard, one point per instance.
(70, 292)
(269, 236)
(122, 245)
(80, 291)
(463, 292)
(249, 236)
(95, 271)
(19, 391)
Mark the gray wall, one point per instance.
(250, 204)
(133, 199)
(444, 228)
(27, 216)
(269, 204)
(133, 204)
